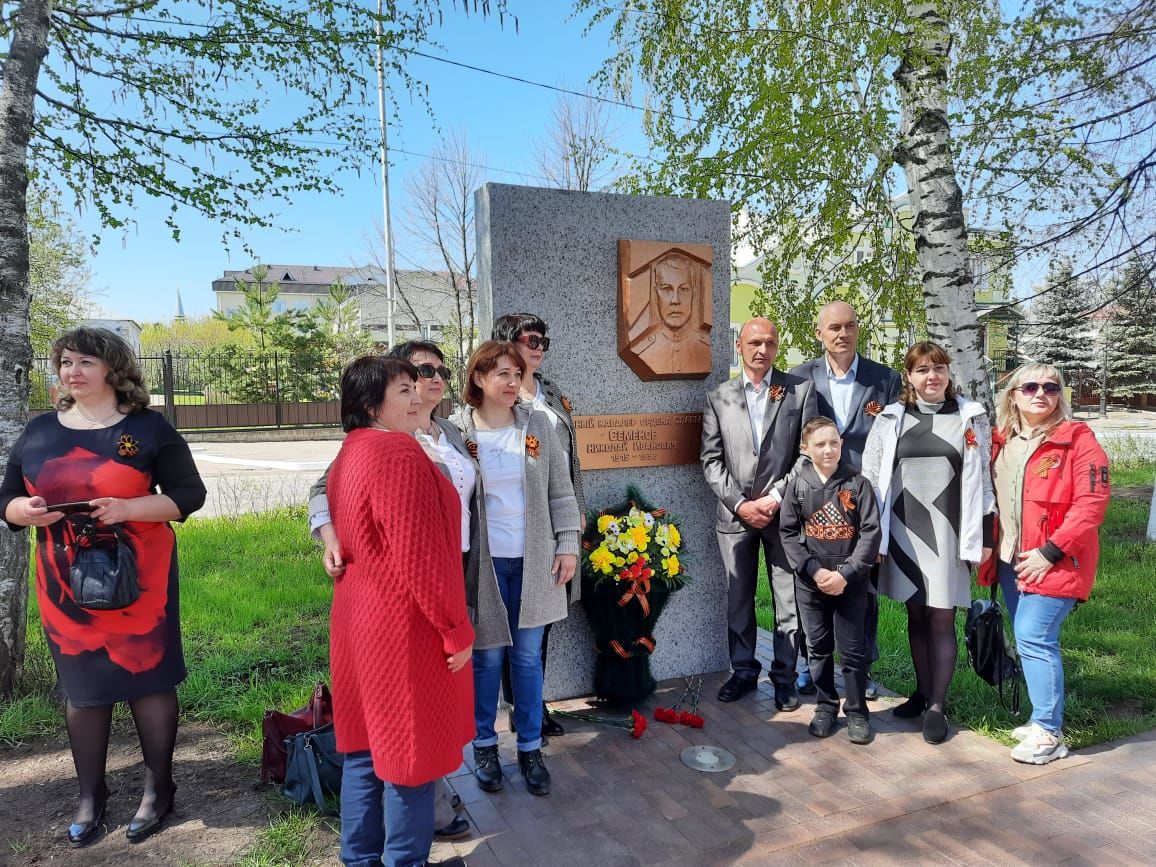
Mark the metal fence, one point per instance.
(230, 390)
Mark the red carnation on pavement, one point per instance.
(639, 727)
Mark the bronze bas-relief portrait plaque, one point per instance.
(664, 309)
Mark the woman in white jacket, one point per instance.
(927, 457)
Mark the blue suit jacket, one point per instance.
(873, 382)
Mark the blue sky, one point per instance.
(137, 274)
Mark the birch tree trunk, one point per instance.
(924, 152)
(17, 98)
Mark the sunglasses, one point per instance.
(1051, 389)
(428, 371)
(534, 341)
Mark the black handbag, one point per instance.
(992, 656)
(313, 768)
(102, 576)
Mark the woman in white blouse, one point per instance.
(527, 332)
(531, 519)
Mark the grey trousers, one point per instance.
(740, 556)
(444, 812)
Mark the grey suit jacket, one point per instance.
(873, 382)
(734, 468)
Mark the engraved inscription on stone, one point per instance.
(653, 440)
(664, 309)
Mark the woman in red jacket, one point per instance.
(400, 635)
(1051, 483)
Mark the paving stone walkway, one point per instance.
(792, 798)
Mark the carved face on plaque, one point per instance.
(664, 309)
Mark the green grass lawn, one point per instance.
(255, 606)
(1108, 645)
(255, 621)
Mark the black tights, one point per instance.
(931, 635)
(156, 727)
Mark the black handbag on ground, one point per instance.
(103, 576)
(313, 768)
(992, 656)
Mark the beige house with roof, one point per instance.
(426, 304)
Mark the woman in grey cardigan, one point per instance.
(532, 527)
(528, 332)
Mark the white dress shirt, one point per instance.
(462, 474)
(842, 388)
(756, 406)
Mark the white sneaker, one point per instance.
(1040, 747)
(1021, 732)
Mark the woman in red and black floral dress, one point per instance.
(106, 448)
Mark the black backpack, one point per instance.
(992, 657)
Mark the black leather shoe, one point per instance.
(550, 726)
(786, 696)
(142, 829)
(487, 769)
(534, 771)
(738, 686)
(858, 728)
(911, 708)
(934, 727)
(823, 725)
(458, 829)
(82, 833)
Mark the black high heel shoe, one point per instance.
(82, 833)
(550, 726)
(142, 829)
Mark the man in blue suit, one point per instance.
(852, 390)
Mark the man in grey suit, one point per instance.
(852, 390)
(750, 442)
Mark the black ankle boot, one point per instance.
(488, 769)
(534, 771)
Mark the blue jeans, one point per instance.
(1036, 621)
(525, 669)
(370, 806)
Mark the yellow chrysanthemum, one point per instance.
(640, 537)
(671, 565)
(604, 522)
(602, 560)
(675, 536)
(632, 557)
(619, 562)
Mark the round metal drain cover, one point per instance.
(708, 759)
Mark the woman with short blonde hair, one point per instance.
(1051, 485)
(1008, 416)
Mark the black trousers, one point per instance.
(836, 623)
(871, 623)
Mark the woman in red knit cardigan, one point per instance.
(400, 634)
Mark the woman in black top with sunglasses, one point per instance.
(528, 333)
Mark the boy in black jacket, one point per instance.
(829, 523)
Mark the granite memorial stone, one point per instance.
(556, 253)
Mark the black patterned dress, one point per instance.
(107, 656)
(923, 563)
